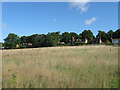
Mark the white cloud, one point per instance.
(79, 4)
(5, 27)
(88, 22)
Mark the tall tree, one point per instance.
(87, 34)
(33, 39)
(116, 34)
(52, 39)
(80, 36)
(73, 34)
(41, 40)
(66, 37)
(12, 40)
(23, 39)
(110, 33)
(103, 35)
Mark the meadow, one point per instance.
(61, 67)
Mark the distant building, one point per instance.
(61, 43)
(86, 41)
(26, 44)
(100, 41)
(2, 47)
(115, 41)
(17, 46)
(29, 44)
(78, 40)
(73, 40)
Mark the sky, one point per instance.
(27, 18)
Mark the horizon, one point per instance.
(43, 17)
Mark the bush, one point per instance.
(119, 43)
(79, 43)
(66, 44)
(22, 46)
(107, 42)
(0, 45)
(72, 45)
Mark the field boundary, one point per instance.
(42, 48)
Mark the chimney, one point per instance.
(100, 41)
(86, 41)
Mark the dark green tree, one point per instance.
(116, 34)
(80, 36)
(75, 35)
(52, 39)
(11, 41)
(103, 35)
(23, 39)
(33, 39)
(88, 35)
(41, 40)
(66, 37)
(110, 33)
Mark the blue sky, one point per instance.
(27, 18)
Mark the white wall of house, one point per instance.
(115, 40)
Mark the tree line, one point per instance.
(52, 39)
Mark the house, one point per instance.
(17, 45)
(73, 39)
(115, 41)
(78, 40)
(26, 44)
(97, 41)
(100, 41)
(29, 44)
(1, 48)
(86, 41)
(61, 43)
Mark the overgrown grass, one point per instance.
(61, 67)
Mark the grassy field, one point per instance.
(65, 67)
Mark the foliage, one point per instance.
(22, 46)
(33, 39)
(87, 34)
(110, 33)
(79, 43)
(11, 41)
(41, 40)
(66, 37)
(107, 42)
(116, 34)
(119, 43)
(0, 45)
(23, 39)
(80, 36)
(52, 39)
(73, 34)
(103, 35)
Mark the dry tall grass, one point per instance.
(73, 67)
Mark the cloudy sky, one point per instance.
(25, 18)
